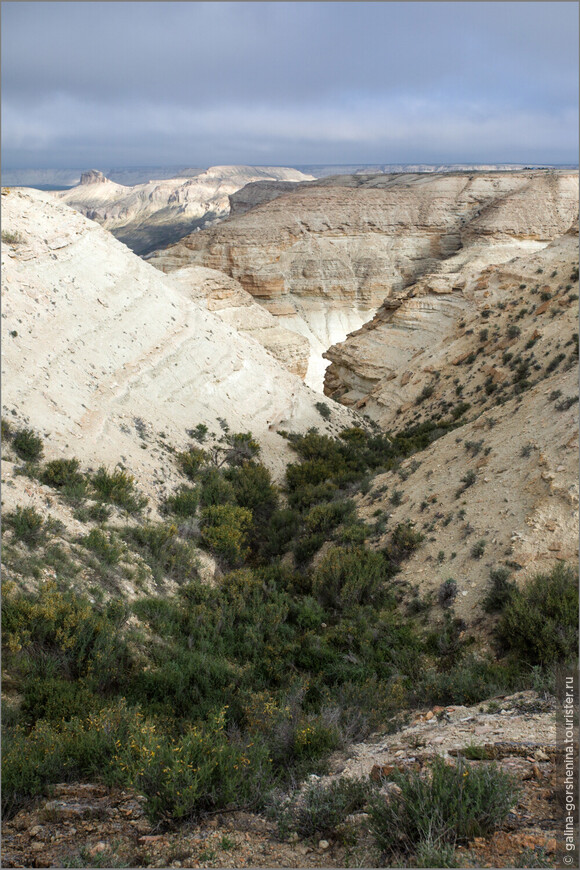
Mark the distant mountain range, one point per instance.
(59, 179)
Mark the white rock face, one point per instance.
(323, 256)
(95, 339)
(146, 216)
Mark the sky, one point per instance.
(275, 83)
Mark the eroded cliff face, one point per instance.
(325, 256)
(159, 212)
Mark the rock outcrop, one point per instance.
(323, 257)
(150, 215)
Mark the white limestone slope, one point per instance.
(95, 339)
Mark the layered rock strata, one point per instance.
(98, 346)
(159, 212)
(325, 256)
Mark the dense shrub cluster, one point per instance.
(211, 697)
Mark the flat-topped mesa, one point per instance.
(324, 256)
(93, 176)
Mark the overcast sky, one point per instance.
(195, 84)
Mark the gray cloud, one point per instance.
(200, 83)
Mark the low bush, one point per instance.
(27, 444)
(203, 770)
(215, 489)
(540, 622)
(447, 593)
(103, 545)
(183, 503)
(191, 461)
(57, 751)
(322, 809)
(403, 542)
(62, 472)
(453, 805)
(117, 487)
(163, 550)
(348, 577)
(478, 549)
(326, 517)
(500, 591)
(224, 531)
(27, 524)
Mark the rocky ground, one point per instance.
(92, 825)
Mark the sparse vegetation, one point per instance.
(12, 238)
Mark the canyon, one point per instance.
(155, 213)
(324, 256)
(430, 313)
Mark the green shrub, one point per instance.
(540, 621)
(403, 542)
(478, 549)
(281, 529)
(322, 809)
(456, 804)
(52, 752)
(345, 578)
(467, 681)
(215, 489)
(202, 770)
(447, 593)
(224, 531)
(117, 487)
(62, 472)
(103, 545)
(460, 410)
(191, 461)
(307, 546)
(27, 525)
(27, 444)
(253, 489)
(56, 700)
(164, 551)
(325, 517)
(11, 238)
(500, 591)
(467, 480)
(60, 634)
(425, 393)
(323, 410)
(183, 503)
(199, 433)
(242, 447)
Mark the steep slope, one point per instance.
(324, 257)
(234, 305)
(159, 212)
(454, 335)
(99, 346)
